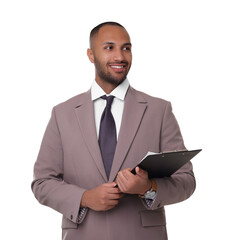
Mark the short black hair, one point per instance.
(96, 29)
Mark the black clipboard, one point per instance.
(160, 165)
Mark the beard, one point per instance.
(106, 75)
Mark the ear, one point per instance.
(90, 55)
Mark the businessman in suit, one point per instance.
(94, 139)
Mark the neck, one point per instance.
(107, 87)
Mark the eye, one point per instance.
(127, 48)
(109, 47)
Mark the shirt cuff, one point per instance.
(149, 202)
(81, 214)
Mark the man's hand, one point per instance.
(101, 198)
(133, 184)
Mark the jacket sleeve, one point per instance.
(48, 186)
(181, 184)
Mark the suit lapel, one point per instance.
(85, 115)
(134, 109)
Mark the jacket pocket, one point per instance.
(153, 218)
(67, 224)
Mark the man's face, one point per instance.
(111, 54)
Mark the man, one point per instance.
(92, 142)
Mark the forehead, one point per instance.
(114, 34)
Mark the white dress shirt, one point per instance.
(117, 106)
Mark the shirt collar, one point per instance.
(119, 92)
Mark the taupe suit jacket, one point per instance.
(69, 162)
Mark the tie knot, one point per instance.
(109, 100)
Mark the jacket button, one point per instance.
(71, 217)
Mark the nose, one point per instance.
(118, 55)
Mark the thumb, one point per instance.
(138, 171)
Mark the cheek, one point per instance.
(103, 59)
(128, 57)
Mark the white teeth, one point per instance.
(117, 67)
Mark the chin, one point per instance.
(115, 81)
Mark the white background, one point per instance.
(182, 52)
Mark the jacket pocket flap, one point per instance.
(153, 218)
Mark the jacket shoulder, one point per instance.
(74, 101)
(150, 99)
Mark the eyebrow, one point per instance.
(112, 43)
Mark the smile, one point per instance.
(118, 67)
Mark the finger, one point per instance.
(114, 190)
(122, 175)
(110, 185)
(121, 184)
(124, 171)
(127, 173)
(140, 171)
(116, 196)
